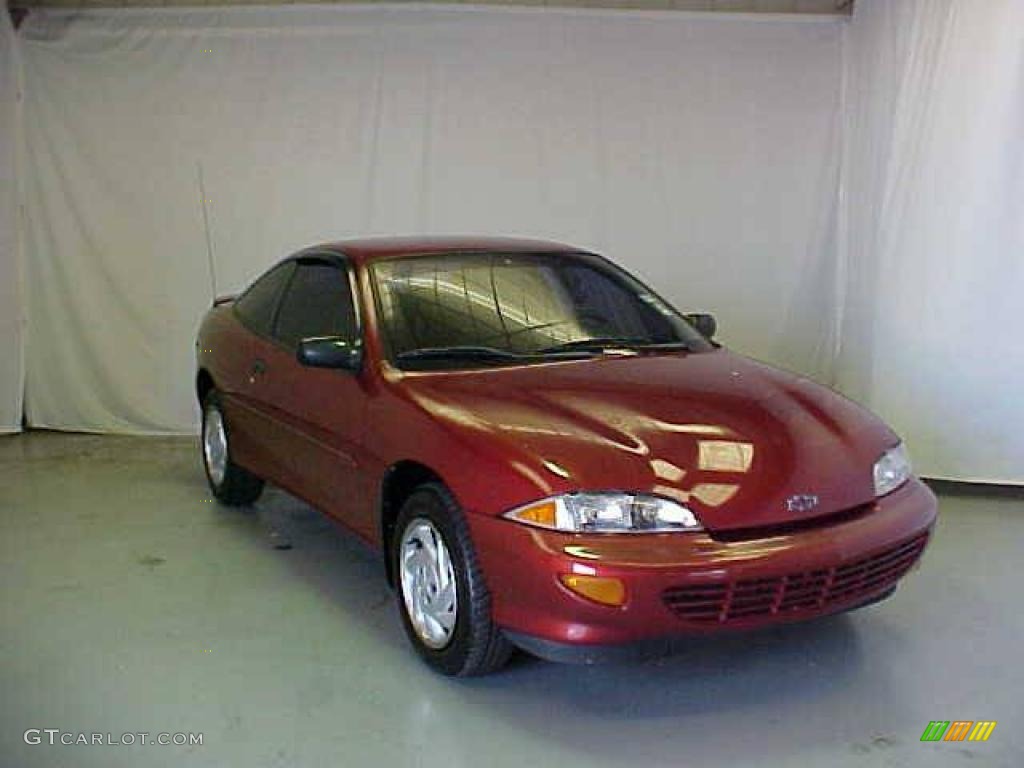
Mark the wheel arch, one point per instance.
(204, 383)
(397, 484)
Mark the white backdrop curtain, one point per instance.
(933, 242)
(11, 315)
(698, 150)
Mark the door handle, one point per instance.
(258, 369)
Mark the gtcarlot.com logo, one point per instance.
(128, 739)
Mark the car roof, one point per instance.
(373, 248)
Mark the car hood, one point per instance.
(743, 444)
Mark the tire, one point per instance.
(231, 484)
(473, 645)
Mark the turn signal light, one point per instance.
(600, 589)
(543, 514)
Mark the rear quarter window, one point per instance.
(257, 305)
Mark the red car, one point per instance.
(549, 455)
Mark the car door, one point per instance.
(254, 310)
(317, 414)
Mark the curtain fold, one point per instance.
(11, 295)
(933, 247)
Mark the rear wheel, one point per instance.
(230, 483)
(444, 602)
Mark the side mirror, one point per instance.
(705, 324)
(330, 352)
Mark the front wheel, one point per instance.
(230, 483)
(444, 602)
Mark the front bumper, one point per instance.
(682, 584)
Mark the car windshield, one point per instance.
(493, 308)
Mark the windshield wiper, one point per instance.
(484, 354)
(614, 342)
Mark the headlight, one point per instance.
(892, 470)
(607, 513)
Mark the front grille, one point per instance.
(810, 591)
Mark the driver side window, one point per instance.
(317, 302)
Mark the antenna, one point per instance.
(206, 226)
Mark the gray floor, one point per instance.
(130, 602)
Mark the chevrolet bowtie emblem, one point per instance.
(802, 502)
